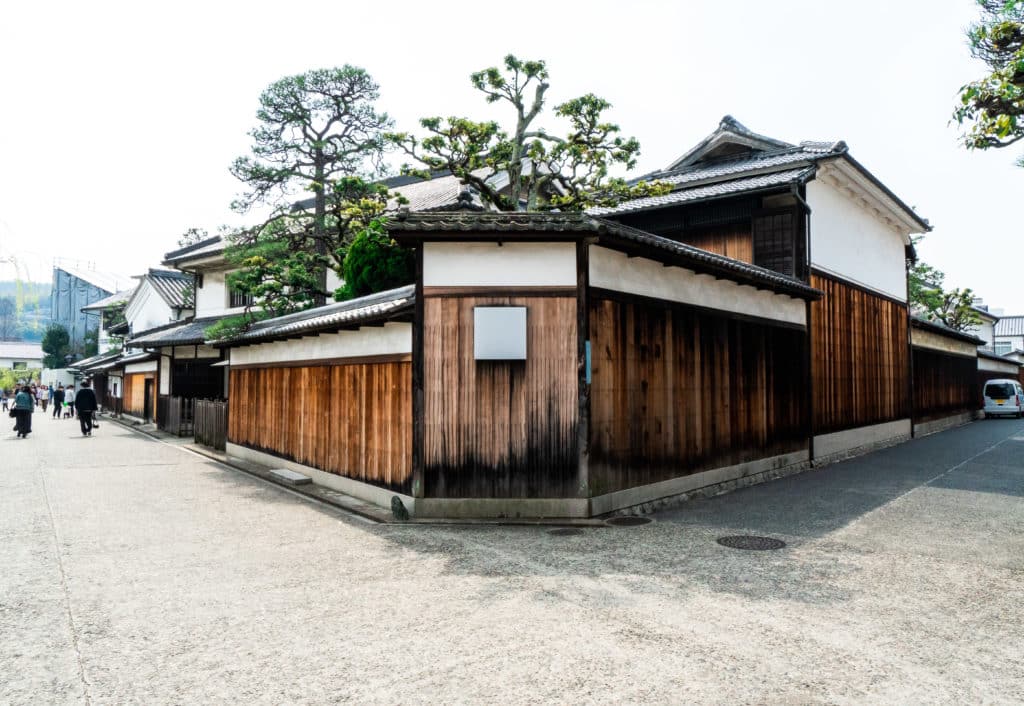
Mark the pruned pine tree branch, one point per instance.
(544, 171)
(318, 133)
(991, 109)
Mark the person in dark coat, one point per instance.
(58, 401)
(24, 405)
(85, 405)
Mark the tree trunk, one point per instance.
(319, 227)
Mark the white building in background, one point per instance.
(21, 356)
(1009, 334)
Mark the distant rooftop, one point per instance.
(21, 351)
(107, 281)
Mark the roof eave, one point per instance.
(635, 249)
(395, 314)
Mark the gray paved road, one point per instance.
(134, 572)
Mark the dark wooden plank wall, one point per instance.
(943, 384)
(502, 429)
(677, 390)
(732, 240)
(351, 420)
(860, 359)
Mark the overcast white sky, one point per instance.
(118, 120)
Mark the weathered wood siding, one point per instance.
(943, 384)
(501, 429)
(860, 357)
(677, 390)
(135, 394)
(352, 420)
(732, 240)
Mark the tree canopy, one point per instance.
(56, 346)
(991, 109)
(952, 308)
(531, 167)
(318, 133)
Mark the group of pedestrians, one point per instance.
(81, 404)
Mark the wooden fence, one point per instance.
(175, 415)
(211, 423)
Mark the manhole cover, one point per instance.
(746, 541)
(565, 531)
(627, 521)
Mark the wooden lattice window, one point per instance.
(775, 242)
(238, 299)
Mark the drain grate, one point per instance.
(565, 532)
(751, 542)
(627, 521)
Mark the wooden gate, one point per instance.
(175, 415)
(211, 423)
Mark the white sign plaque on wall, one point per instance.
(499, 332)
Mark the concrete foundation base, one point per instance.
(357, 489)
(937, 425)
(830, 448)
(656, 496)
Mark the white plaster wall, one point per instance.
(333, 281)
(493, 265)
(392, 338)
(1016, 342)
(610, 269)
(986, 331)
(190, 352)
(148, 367)
(212, 297)
(995, 366)
(165, 375)
(849, 242)
(938, 342)
(147, 309)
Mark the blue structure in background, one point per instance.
(74, 288)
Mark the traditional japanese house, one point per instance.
(184, 368)
(505, 381)
(747, 324)
(813, 212)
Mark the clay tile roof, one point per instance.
(174, 287)
(373, 307)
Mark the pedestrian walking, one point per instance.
(85, 404)
(69, 401)
(43, 396)
(24, 404)
(58, 401)
(3, 395)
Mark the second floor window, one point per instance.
(1003, 347)
(237, 299)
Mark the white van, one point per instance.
(1003, 397)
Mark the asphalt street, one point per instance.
(134, 571)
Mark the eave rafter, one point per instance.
(845, 179)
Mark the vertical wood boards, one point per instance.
(860, 357)
(352, 420)
(732, 240)
(135, 393)
(677, 390)
(500, 429)
(944, 384)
